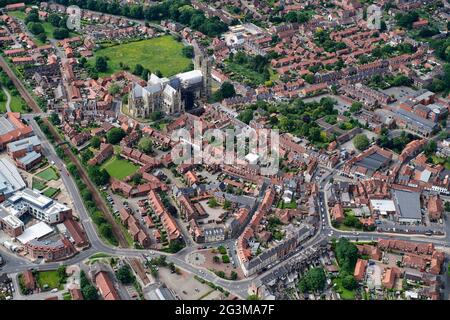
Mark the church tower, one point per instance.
(203, 63)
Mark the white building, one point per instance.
(39, 206)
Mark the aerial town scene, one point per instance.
(225, 150)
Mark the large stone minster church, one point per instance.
(175, 94)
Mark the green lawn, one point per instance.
(438, 160)
(48, 174)
(49, 278)
(51, 192)
(17, 103)
(162, 53)
(17, 14)
(119, 168)
(344, 293)
(38, 184)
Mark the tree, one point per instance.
(125, 275)
(72, 168)
(145, 145)
(106, 231)
(346, 254)
(430, 148)
(233, 275)
(188, 51)
(246, 116)
(87, 289)
(227, 90)
(137, 178)
(349, 282)
(314, 280)
(175, 246)
(138, 69)
(356, 106)
(216, 259)
(98, 176)
(226, 205)
(35, 28)
(86, 155)
(225, 258)
(361, 142)
(42, 37)
(62, 272)
(32, 17)
(60, 33)
(89, 292)
(212, 202)
(157, 115)
(95, 142)
(54, 118)
(447, 206)
(115, 135)
(54, 19)
(101, 64)
(113, 89)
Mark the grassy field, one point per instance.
(48, 174)
(119, 168)
(50, 278)
(17, 103)
(162, 53)
(51, 192)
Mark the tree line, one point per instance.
(178, 10)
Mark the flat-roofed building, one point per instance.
(11, 225)
(38, 205)
(382, 206)
(408, 206)
(10, 179)
(20, 148)
(29, 160)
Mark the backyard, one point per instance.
(162, 53)
(49, 280)
(119, 168)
